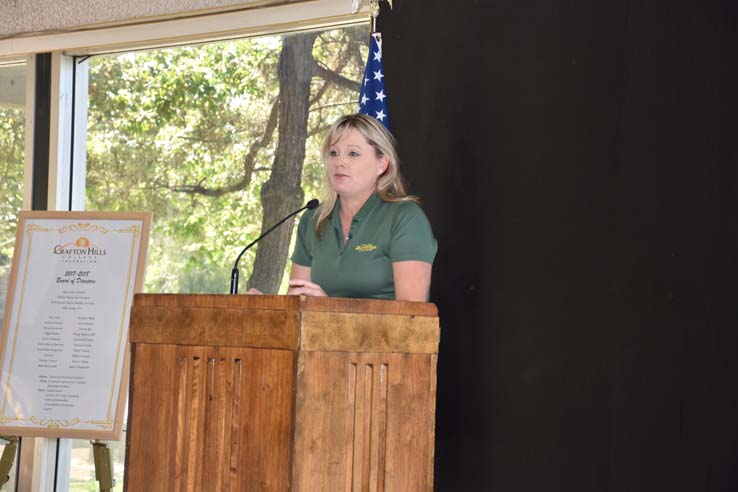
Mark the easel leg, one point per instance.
(103, 465)
(7, 460)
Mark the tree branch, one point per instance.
(214, 192)
(248, 163)
(318, 108)
(335, 78)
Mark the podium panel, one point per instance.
(201, 418)
(364, 422)
(278, 393)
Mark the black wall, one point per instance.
(578, 161)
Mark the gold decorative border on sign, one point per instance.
(135, 230)
(83, 227)
(54, 423)
(59, 423)
(103, 424)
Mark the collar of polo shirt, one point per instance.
(365, 209)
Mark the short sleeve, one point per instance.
(303, 244)
(412, 238)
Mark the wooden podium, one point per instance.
(278, 393)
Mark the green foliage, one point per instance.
(165, 124)
(12, 139)
(169, 118)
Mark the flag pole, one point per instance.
(373, 11)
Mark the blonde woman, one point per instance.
(368, 238)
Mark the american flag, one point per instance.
(373, 99)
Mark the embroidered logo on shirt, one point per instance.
(365, 248)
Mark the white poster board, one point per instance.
(64, 345)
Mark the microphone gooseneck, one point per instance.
(234, 273)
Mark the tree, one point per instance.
(283, 192)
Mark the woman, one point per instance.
(368, 238)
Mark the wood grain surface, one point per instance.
(278, 393)
(367, 306)
(302, 303)
(265, 328)
(205, 419)
(369, 333)
(364, 422)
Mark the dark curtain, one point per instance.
(578, 161)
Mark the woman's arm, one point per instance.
(300, 283)
(300, 272)
(412, 280)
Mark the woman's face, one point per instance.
(353, 166)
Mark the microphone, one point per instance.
(234, 273)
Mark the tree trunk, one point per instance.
(283, 192)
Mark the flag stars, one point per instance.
(372, 97)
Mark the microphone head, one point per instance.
(312, 204)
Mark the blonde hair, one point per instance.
(390, 185)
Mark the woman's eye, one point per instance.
(332, 153)
(353, 153)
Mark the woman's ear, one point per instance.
(383, 165)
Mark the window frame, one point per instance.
(300, 16)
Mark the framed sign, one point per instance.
(64, 345)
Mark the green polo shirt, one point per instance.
(381, 233)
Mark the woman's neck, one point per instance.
(350, 206)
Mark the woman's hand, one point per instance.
(253, 291)
(305, 287)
